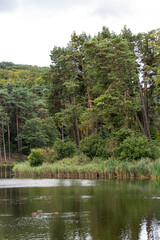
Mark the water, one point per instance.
(87, 209)
(6, 172)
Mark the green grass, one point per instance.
(6, 164)
(108, 168)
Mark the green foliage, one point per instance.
(36, 157)
(121, 134)
(34, 133)
(49, 154)
(81, 158)
(135, 148)
(116, 138)
(155, 168)
(110, 168)
(93, 146)
(78, 159)
(69, 161)
(154, 150)
(64, 149)
(92, 87)
(39, 132)
(27, 75)
(154, 133)
(144, 167)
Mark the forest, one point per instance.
(100, 97)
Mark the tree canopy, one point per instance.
(95, 86)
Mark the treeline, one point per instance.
(105, 84)
(100, 92)
(24, 119)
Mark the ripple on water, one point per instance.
(156, 198)
(19, 183)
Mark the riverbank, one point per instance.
(92, 170)
(10, 161)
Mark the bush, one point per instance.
(64, 149)
(154, 150)
(133, 148)
(116, 138)
(50, 155)
(36, 157)
(93, 146)
(122, 134)
(81, 158)
(136, 148)
(69, 161)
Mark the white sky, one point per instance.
(29, 29)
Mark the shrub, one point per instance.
(122, 134)
(133, 148)
(64, 149)
(49, 154)
(93, 146)
(144, 167)
(69, 161)
(116, 138)
(81, 158)
(154, 150)
(111, 165)
(36, 157)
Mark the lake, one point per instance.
(78, 209)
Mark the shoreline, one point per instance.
(143, 169)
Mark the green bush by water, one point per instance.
(93, 146)
(64, 149)
(136, 148)
(36, 157)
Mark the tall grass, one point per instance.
(68, 168)
(155, 168)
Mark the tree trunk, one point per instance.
(93, 128)
(90, 106)
(101, 129)
(140, 125)
(4, 145)
(9, 141)
(125, 108)
(77, 135)
(158, 107)
(0, 150)
(77, 130)
(20, 144)
(18, 138)
(87, 131)
(62, 133)
(96, 129)
(146, 98)
(145, 117)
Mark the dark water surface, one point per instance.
(87, 209)
(6, 172)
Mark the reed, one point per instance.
(101, 169)
(155, 168)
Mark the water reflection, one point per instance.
(93, 210)
(19, 183)
(6, 172)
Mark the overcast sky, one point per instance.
(29, 29)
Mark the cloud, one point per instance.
(52, 4)
(36, 5)
(102, 8)
(8, 5)
(114, 8)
